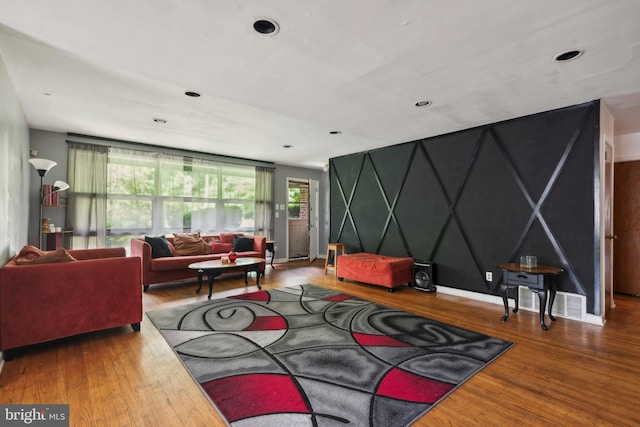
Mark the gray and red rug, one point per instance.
(310, 356)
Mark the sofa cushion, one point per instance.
(188, 244)
(242, 244)
(159, 246)
(221, 248)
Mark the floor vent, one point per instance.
(570, 306)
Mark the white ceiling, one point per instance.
(107, 68)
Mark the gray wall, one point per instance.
(53, 146)
(15, 170)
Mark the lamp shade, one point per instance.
(42, 165)
(60, 186)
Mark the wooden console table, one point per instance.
(539, 279)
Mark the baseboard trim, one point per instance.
(495, 299)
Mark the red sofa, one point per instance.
(374, 269)
(43, 302)
(172, 268)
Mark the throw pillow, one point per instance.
(159, 246)
(59, 255)
(28, 255)
(188, 244)
(171, 248)
(221, 248)
(227, 238)
(195, 235)
(242, 244)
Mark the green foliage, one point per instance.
(185, 194)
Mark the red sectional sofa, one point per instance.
(172, 268)
(42, 302)
(374, 269)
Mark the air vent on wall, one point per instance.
(569, 306)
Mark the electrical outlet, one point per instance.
(489, 276)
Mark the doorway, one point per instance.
(302, 219)
(626, 275)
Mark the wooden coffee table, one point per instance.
(215, 268)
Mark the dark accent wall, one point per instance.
(473, 199)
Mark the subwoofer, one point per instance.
(424, 276)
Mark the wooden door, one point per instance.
(626, 274)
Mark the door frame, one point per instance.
(606, 195)
(607, 234)
(286, 212)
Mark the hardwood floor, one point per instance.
(574, 374)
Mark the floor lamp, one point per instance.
(43, 166)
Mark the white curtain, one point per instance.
(263, 225)
(87, 195)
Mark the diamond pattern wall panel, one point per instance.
(472, 199)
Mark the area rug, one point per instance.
(310, 356)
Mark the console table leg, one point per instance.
(542, 296)
(504, 289)
(552, 297)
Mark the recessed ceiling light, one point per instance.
(335, 132)
(423, 103)
(160, 121)
(568, 55)
(287, 146)
(192, 94)
(266, 26)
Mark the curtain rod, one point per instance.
(110, 142)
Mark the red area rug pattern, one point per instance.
(310, 356)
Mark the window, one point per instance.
(294, 203)
(153, 193)
(298, 200)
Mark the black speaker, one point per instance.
(424, 276)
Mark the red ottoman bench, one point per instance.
(381, 270)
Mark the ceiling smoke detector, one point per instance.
(266, 26)
(423, 103)
(192, 94)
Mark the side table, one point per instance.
(271, 248)
(334, 249)
(539, 279)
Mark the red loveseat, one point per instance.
(374, 269)
(172, 268)
(43, 302)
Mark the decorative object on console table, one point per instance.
(43, 166)
(539, 279)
